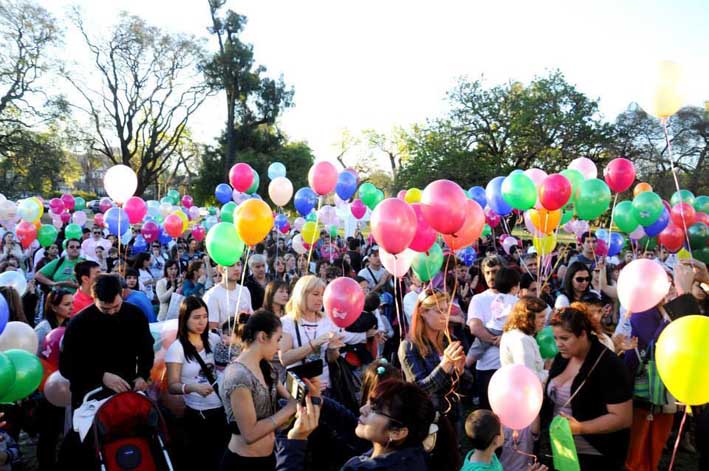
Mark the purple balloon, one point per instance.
(150, 231)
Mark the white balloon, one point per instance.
(2, 197)
(297, 244)
(57, 391)
(79, 218)
(120, 183)
(19, 335)
(280, 190)
(14, 279)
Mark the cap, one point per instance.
(531, 250)
(373, 248)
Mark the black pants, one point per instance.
(76, 455)
(599, 462)
(51, 426)
(207, 432)
(233, 462)
(482, 379)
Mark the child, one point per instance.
(485, 432)
(362, 354)
(9, 451)
(223, 355)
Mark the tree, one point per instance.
(393, 146)
(151, 85)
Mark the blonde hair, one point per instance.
(428, 299)
(298, 302)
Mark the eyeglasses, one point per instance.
(377, 411)
(583, 279)
(73, 246)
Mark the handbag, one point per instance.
(173, 309)
(208, 373)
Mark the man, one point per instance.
(88, 246)
(588, 252)
(375, 274)
(222, 299)
(256, 282)
(86, 273)
(60, 272)
(355, 256)
(157, 263)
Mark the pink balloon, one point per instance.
(401, 194)
(425, 236)
(98, 219)
(515, 395)
(601, 249)
(56, 206)
(585, 166)
(536, 175)
(79, 218)
(508, 243)
(105, 204)
(241, 176)
(322, 177)
(502, 237)
(187, 201)
(198, 233)
(443, 205)
(56, 390)
(358, 209)
(343, 301)
(398, 265)
(52, 345)
(638, 233)
(491, 218)
(702, 217)
(150, 231)
(193, 213)
(135, 208)
(393, 225)
(619, 174)
(66, 217)
(554, 191)
(642, 284)
(298, 223)
(68, 201)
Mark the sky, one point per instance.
(382, 63)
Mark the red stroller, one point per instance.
(130, 434)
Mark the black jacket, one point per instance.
(257, 292)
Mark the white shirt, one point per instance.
(143, 276)
(499, 309)
(191, 373)
(518, 348)
(410, 304)
(88, 247)
(479, 308)
(216, 300)
(378, 274)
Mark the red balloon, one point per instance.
(393, 225)
(26, 233)
(672, 237)
(198, 233)
(241, 176)
(471, 230)
(343, 301)
(425, 236)
(601, 249)
(322, 177)
(702, 217)
(492, 218)
(173, 225)
(52, 344)
(554, 191)
(56, 206)
(136, 209)
(683, 215)
(98, 220)
(150, 231)
(358, 209)
(443, 205)
(619, 174)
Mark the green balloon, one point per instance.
(697, 234)
(702, 255)
(212, 211)
(682, 196)
(227, 213)
(46, 235)
(174, 196)
(333, 231)
(575, 178)
(166, 200)
(379, 197)
(368, 194)
(624, 218)
(312, 217)
(566, 216)
(28, 375)
(254, 185)
(7, 374)
(72, 231)
(487, 230)
(427, 264)
(701, 204)
(647, 243)
(519, 191)
(546, 342)
(647, 207)
(79, 203)
(224, 245)
(593, 199)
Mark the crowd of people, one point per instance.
(260, 378)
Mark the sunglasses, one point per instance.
(377, 411)
(582, 279)
(73, 246)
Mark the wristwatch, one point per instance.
(316, 401)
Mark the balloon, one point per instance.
(57, 390)
(601, 249)
(224, 245)
(280, 190)
(493, 193)
(682, 214)
(79, 203)
(393, 225)
(14, 279)
(398, 265)
(253, 220)
(56, 206)
(105, 204)
(187, 201)
(28, 375)
(681, 359)
(135, 208)
(73, 231)
(68, 201)
(471, 230)
(641, 188)
(667, 89)
(672, 238)
(515, 395)
(17, 335)
(241, 176)
(477, 193)
(368, 194)
(545, 245)
(647, 207)
(642, 284)
(427, 264)
(117, 221)
(593, 199)
(253, 188)
(28, 210)
(519, 191)
(120, 183)
(332, 230)
(443, 204)
(26, 233)
(223, 193)
(4, 314)
(697, 234)
(555, 191)
(575, 178)
(619, 174)
(298, 244)
(468, 256)
(275, 170)
(624, 217)
(46, 235)
(346, 185)
(378, 198)
(298, 224)
(227, 212)
(508, 243)
(585, 166)
(358, 209)
(79, 218)
(313, 216)
(546, 342)
(615, 245)
(173, 225)
(530, 226)
(413, 195)
(545, 221)
(309, 233)
(199, 233)
(322, 177)
(150, 231)
(8, 210)
(343, 301)
(65, 217)
(7, 374)
(492, 218)
(536, 175)
(193, 213)
(305, 200)
(656, 227)
(139, 245)
(701, 204)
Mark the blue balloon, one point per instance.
(275, 170)
(280, 221)
(140, 244)
(164, 237)
(616, 244)
(305, 200)
(117, 221)
(468, 256)
(493, 193)
(602, 234)
(659, 225)
(4, 313)
(346, 185)
(223, 193)
(477, 194)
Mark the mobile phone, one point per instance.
(310, 369)
(296, 387)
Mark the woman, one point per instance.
(289, 260)
(50, 254)
(191, 372)
(430, 361)
(250, 392)
(321, 269)
(276, 297)
(57, 310)
(11, 247)
(166, 287)
(519, 347)
(278, 270)
(195, 279)
(101, 258)
(145, 278)
(592, 388)
(157, 265)
(302, 267)
(14, 304)
(577, 282)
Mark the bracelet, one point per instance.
(183, 389)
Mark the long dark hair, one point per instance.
(54, 299)
(140, 260)
(568, 287)
(192, 269)
(14, 303)
(270, 292)
(187, 306)
(264, 321)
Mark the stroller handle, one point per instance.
(92, 392)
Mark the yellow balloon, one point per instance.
(683, 254)
(668, 95)
(413, 195)
(253, 219)
(544, 220)
(682, 360)
(544, 245)
(309, 232)
(184, 218)
(40, 205)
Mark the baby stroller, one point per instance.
(130, 434)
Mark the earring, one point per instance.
(389, 442)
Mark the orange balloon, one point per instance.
(544, 220)
(471, 230)
(48, 369)
(253, 220)
(641, 188)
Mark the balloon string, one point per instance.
(515, 447)
(679, 437)
(317, 219)
(548, 277)
(396, 303)
(121, 266)
(238, 296)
